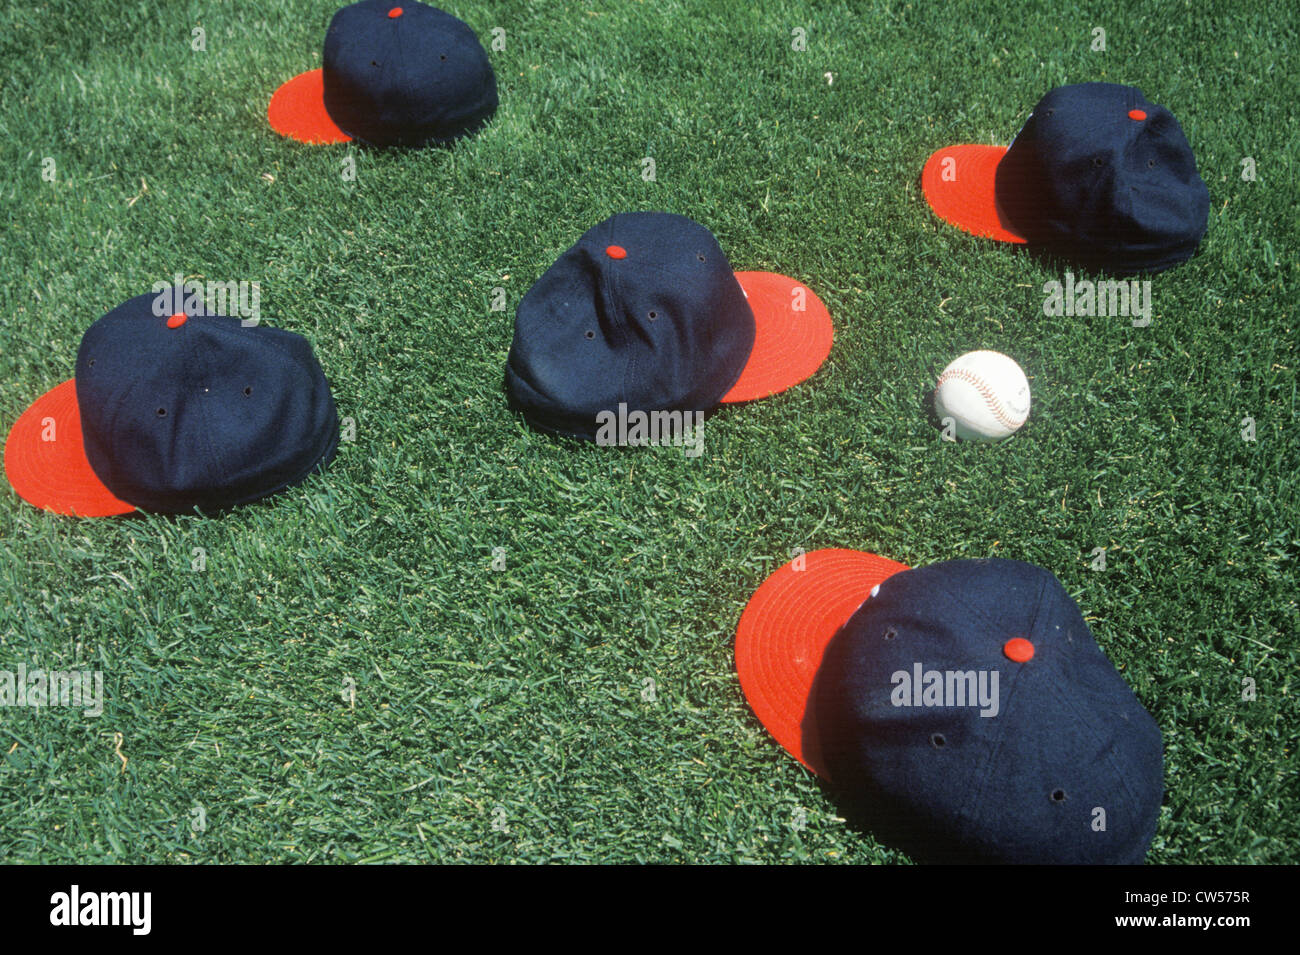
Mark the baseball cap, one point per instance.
(1098, 175)
(645, 310)
(962, 710)
(171, 412)
(394, 73)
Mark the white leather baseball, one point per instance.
(985, 393)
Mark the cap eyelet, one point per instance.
(91, 363)
(443, 57)
(700, 256)
(1151, 164)
(652, 316)
(162, 412)
(937, 741)
(891, 633)
(590, 335)
(248, 391)
(1058, 795)
(1098, 161)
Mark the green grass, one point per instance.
(522, 689)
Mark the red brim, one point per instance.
(783, 634)
(792, 337)
(45, 460)
(961, 191)
(297, 110)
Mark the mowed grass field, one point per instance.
(349, 679)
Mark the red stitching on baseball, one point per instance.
(980, 385)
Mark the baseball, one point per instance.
(985, 393)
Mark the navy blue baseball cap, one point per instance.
(645, 311)
(962, 710)
(172, 410)
(1098, 175)
(394, 73)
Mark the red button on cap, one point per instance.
(394, 13)
(616, 252)
(1018, 649)
(1137, 114)
(177, 320)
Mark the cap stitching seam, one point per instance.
(984, 772)
(205, 417)
(399, 52)
(608, 279)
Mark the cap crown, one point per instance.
(1105, 177)
(1023, 785)
(644, 310)
(406, 80)
(206, 414)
